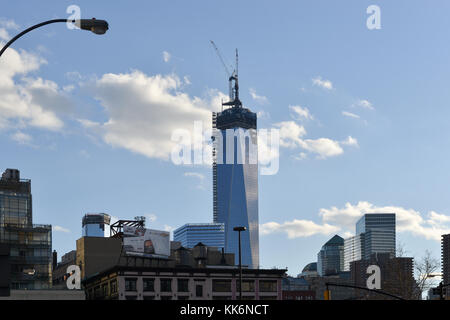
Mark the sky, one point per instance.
(362, 114)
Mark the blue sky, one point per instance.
(91, 118)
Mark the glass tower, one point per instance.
(210, 234)
(330, 259)
(235, 179)
(30, 244)
(379, 233)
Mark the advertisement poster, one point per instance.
(146, 242)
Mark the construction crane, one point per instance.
(232, 77)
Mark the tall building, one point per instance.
(235, 176)
(330, 259)
(375, 233)
(30, 244)
(210, 234)
(353, 250)
(445, 256)
(96, 225)
(379, 233)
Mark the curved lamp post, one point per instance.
(93, 25)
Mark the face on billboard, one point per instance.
(146, 242)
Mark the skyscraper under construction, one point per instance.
(235, 175)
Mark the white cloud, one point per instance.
(301, 113)
(325, 84)
(349, 114)
(166, 56)
(21, 138)
(5, 25)
(364, 104)
(60, 229)
(143, 111)
(258, 98)
(195, 174)
(29, 101)
(290, 133)
(323, 147)
(350, 141)
(297, 228)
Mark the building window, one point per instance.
(149, 285)
(268, 285)
(131, 297)
(221, 285)
(149, 297)
(270, 298)
(183, 285)
(166, 297)
(130, 284)
(113, 285)
(105, 289)
(199, 291)
(247, 285)
(166, 285)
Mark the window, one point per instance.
(149, 297)
(131, 297)
(221, 285)
(113, 285)
(166, 285)
(149, 285)
(268, 285)
(183, 285)
(247, 285)
(105, 289)
(166, 297)
(199, 291)
(268, 298)
(130, 284)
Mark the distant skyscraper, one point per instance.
(375, 233)
(96, 225)
(235, 176)
(445, 246)
(30, 244)
(330, 259)
(210, 234)
(353, 250)
(379, 230)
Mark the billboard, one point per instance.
(146, 242)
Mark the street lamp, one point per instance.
(239, 230)
(93, 25)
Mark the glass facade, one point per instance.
(210, 234)
(330, 259)
(375, 233)
(353, 250)
(235, 181)
(30, 244)
(96, 225)
(379, 233)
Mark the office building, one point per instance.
(375, 233)
(235, 176)
(330, 259)
(96, 225)
(60, 275)
(379, 230)
(353, 250)
(30, 244)
(445, 256)
(210, 234)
